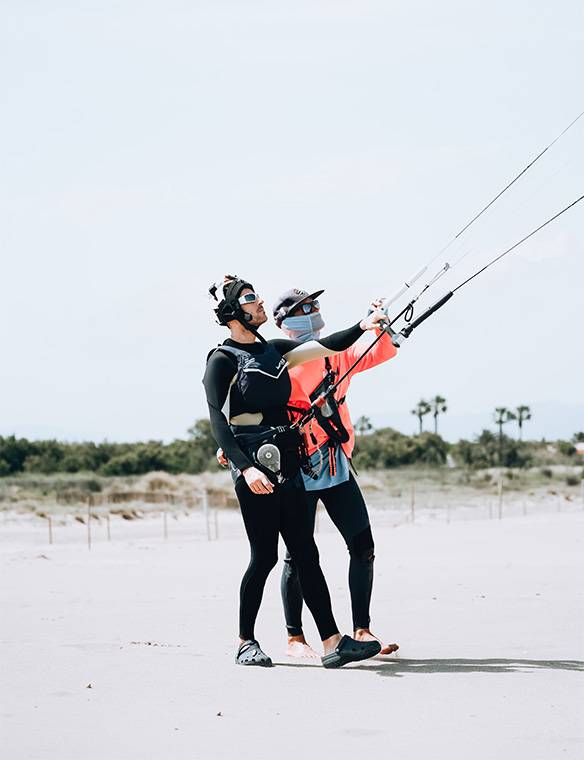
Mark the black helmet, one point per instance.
(228, 307)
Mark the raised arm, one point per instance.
(298, 353)
(381, 352)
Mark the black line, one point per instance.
(500, 256)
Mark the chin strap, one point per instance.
(252, 330)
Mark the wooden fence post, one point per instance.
(413, 502)
(206, 513)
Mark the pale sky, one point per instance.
(147, 148)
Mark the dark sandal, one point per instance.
(350, 650)
(250, 653)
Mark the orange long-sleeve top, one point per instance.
(306, 377)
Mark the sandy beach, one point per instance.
(126, 651)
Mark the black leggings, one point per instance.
(285, 511)
(347, 509)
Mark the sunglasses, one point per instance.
(249, 298)
(308, 307)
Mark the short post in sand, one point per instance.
(205, 498)
(500, 491)
(108, 520)
(88, 524)
(413, 502)
(50, 522)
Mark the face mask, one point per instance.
(303, 328)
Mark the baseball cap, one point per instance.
(288, 301)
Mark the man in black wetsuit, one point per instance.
(248, 378)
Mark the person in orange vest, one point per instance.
(330, 443)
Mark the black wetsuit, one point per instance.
(285, 511)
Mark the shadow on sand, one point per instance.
(401, 667)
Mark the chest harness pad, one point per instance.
(262, 380)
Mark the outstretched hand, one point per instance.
(377, 320)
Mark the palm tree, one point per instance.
(363, 425)
(438, 407)
(421, 409)
(523, 414)
(502, 416)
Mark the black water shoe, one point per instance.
(250, 653)
(350, 650)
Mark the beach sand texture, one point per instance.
(126, 651)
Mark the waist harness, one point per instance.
(278, 452)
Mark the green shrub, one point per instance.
(47, 457)
(488, 450)
(566, 449)
(388, 448)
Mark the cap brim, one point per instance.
(314, 295)
(294, 304)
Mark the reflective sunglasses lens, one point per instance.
(248, 298)
(308, 307)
